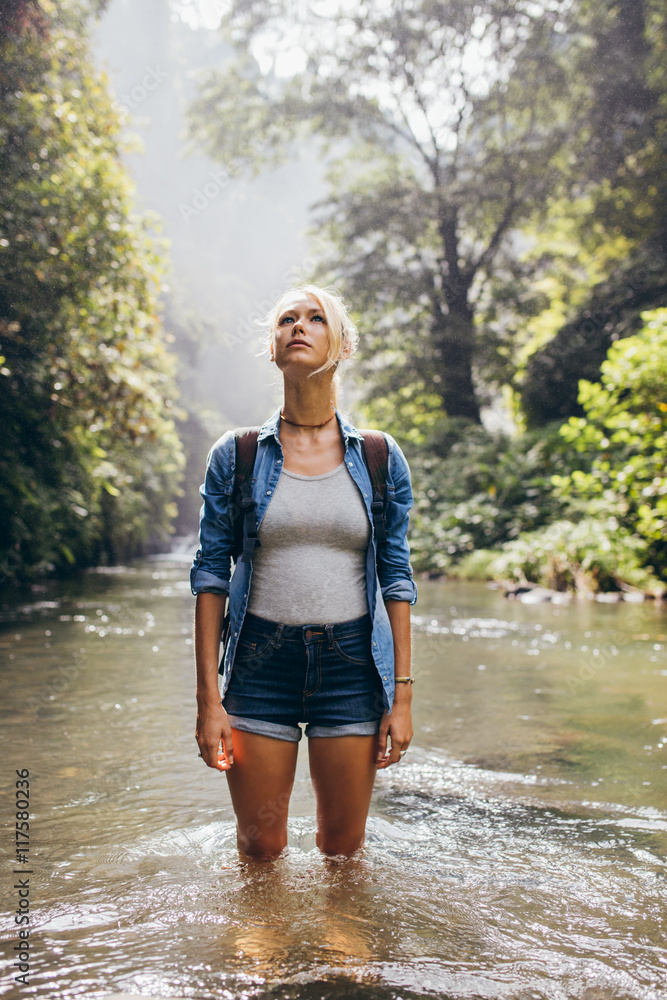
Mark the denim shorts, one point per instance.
(322, 675)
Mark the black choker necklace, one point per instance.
(294, 424)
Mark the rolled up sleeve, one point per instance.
(394, 569)
(211, 568)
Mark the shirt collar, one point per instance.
(272, 427)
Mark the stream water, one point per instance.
(517, 852)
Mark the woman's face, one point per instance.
(301, 338)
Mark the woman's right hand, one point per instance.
(213, 726)
(212, 730)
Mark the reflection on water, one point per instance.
(517, 852)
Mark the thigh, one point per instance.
(260, 783)
(342, 770)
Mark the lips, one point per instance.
(297, 343)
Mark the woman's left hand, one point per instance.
(398, 727)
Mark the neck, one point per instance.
(308, 404)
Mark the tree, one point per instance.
(451, 116)
(90, 457)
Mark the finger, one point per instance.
(381, 747)
(211, 755)
(219, 760)
(227, 751)
(214, 756)
(223, 762)
(394, 753)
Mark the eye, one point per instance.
(320, 318)
(285, 319)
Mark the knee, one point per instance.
(264, 845)
(336, 844)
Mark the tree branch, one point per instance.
(487, 255)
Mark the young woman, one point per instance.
(320, 619)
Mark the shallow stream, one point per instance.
(519, 851)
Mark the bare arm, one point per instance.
(212, 722)
(398, 724)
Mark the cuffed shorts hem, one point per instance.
(351, 729)
(293, 734)
(290, 733)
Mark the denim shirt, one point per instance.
(391, 574)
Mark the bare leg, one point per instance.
(343, 770)
(260, 782)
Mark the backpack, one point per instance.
(376, 455)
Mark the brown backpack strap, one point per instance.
(245, 508)
(376, 454)
(246, 449)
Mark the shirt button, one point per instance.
(350, 464)
(366, 495)
(268, 493)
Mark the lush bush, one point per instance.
(475, 490)
(623, 440)
(590, 555)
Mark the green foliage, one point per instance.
(615, 181)
(590, 555)
(623, 437)
(474, 490)
(581, 506)
(623, 132)
(529, 306)
(90, 456)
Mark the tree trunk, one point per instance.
(454, 338)
(453, 327)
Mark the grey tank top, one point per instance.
(311, 566)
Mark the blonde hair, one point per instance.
(343, 335)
